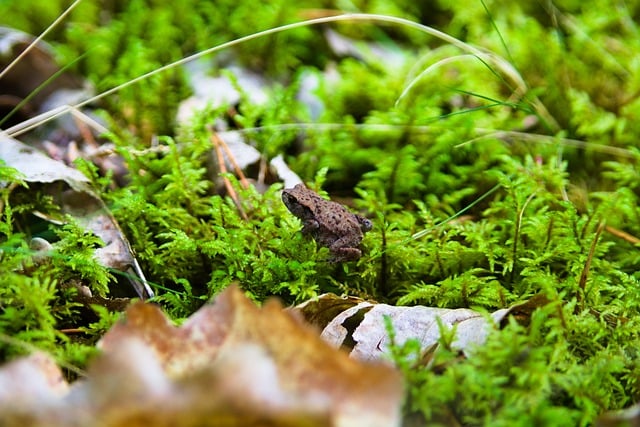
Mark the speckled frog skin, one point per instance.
(329, 223)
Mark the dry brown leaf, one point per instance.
(230, 364)
(23, 82)
(322, 310)
(35, 378)
(80, 201)
(359, 325)
(629, 417)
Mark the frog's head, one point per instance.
(294, 205)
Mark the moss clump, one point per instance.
(489, 181)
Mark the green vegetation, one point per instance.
(489, 179)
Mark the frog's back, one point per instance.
(338, 222)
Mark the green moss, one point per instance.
(482, 196)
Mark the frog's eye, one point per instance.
(288, 200)
(294, 206)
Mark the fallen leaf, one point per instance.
(229, 364)
(322, 310)
(629, 417)
(213, 92)
(35, 378)
(22, 84)
(81, 202)
(359, 326)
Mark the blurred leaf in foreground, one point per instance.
(229, 364)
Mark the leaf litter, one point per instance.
(79, 201)
(229, 364)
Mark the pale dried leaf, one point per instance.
(217, 91)
(629, 417)
(81, 202)
(361, 325)
(28, 74)
(35, 378)
(244, 154)
(230, 364)
(282, 170)
(37, 167)
(307, 367)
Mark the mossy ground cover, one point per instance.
(491, 176)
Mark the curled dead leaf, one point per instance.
(359, 326)
(21, 85)
(629, 417)
(230, 364)
(79, 201)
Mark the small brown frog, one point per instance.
(329, 223)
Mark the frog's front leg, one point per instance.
(309, 226)
(344, 250)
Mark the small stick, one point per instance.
(623, 235)
(587, 266)
(217, 142)
(232, 160)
